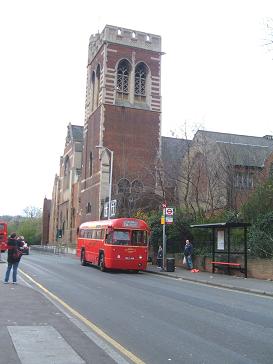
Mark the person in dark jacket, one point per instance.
(188, 250)
(14, 256)
(160, 257)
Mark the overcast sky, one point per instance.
(216, 74)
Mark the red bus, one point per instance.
(3, 236)
(114, 244)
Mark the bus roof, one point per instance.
(121, 223)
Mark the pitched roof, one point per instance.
(173, 151)
(173, 148)
(241, 150)
(74, 133)
(77, 133)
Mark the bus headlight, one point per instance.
(140, 257)
(118, 256)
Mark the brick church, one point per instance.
(121, 136)
(122, 121)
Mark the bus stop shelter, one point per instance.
(223, 250)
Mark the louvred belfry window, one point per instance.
(140, 81)
(123, 80)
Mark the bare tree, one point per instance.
(32, 212)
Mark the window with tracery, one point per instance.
(140, 82)
(137, 186)
(244, 180)
(124, 186)
(123, 74)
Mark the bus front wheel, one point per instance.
(83, 261)
(102, 263)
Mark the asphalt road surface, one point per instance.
(160, 319)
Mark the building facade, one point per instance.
(222, 170)
(122, 120)
(64, 216)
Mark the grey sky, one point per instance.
(215, 74)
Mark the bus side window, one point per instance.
(109, 238)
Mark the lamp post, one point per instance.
(110, 177)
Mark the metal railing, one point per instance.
(53, 249)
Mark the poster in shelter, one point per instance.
(220, 240)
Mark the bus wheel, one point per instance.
(101, 263)
(83, 261)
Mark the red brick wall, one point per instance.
(131, 132)
(141, 55)
(133, 135)
(257, 268)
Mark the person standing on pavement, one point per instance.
(160, 257)
(14, 256)
(188, 250)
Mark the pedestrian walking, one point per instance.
(14, 256)
(160, 257)
(188, 250)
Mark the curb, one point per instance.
(209, 283)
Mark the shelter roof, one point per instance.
(222, 224)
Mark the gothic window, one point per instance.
(123, 73)
(124, 186)
(97, 85)
(93, 78)
(140, 82)
(90, 164)
(88, 208)
(66, 172)
(137, 186)
(244, 181)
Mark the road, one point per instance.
(160, 319)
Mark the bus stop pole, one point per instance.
(164, 238)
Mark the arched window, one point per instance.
(137, 186)
(97, 85)
(88, 208)
(124, 186)
(93, 79)
(140, 82)
(66, 172)
(123, 75)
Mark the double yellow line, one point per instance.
(88, 323)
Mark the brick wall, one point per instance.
(257, 268)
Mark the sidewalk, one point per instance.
(33, 329)
(220, 280)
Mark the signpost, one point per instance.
(166, 218)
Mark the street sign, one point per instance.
(113, 208)
(169, 219)
(164, 205)
(169, 211)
